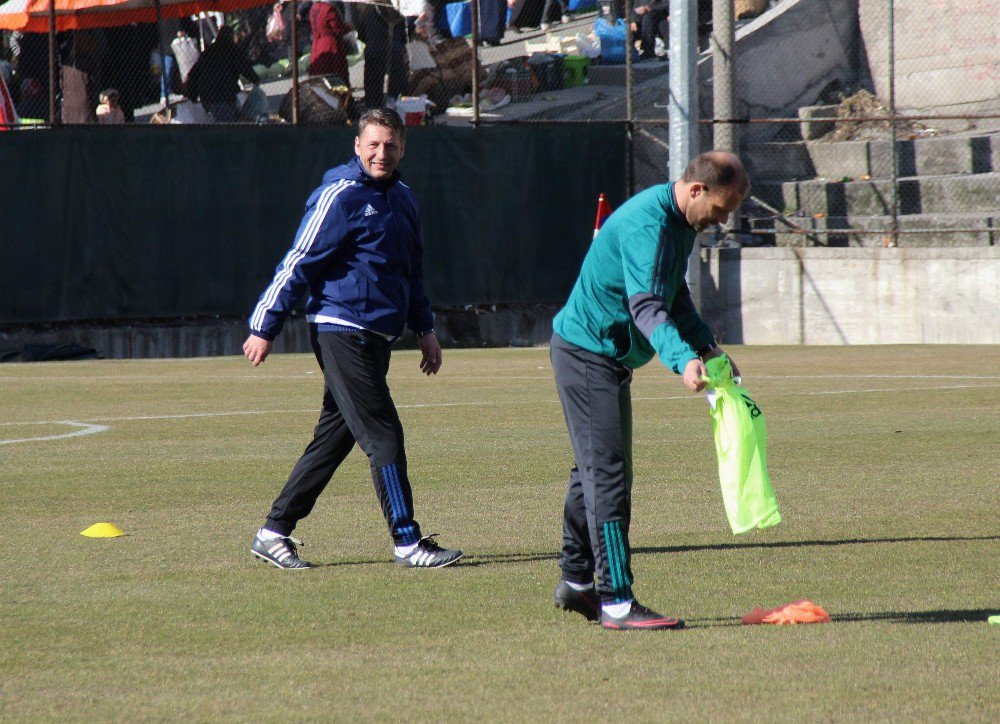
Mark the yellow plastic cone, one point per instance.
(103, 530)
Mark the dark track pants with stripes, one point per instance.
(597, 404)
(357, 407)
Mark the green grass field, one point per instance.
(885, 461)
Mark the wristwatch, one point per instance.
(425, 333)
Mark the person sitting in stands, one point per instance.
(214, 79)
(649, 21)
(109, 112)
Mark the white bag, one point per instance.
(186, 52)
(589, 45)
(420, 55)
(191, 112)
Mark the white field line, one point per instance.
(85, 429)
(432, 405)
(500, 378)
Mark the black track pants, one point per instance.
(357, 407)
(597, 404)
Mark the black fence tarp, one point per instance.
(178, 222)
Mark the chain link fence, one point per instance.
(862, 122)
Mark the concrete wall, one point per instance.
(853, 296)
(947, 53)
(749, 296)
(786, 57)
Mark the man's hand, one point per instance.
(641, 10)
(693, 372)
(257, 349)
(430, 361)
(716, 351)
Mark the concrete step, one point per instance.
(976, 193)
(935, 156)
(916, 230)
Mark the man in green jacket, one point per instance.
(630, 302)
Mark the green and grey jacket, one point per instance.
(630, 300)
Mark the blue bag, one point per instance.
(612, 37)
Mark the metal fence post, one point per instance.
(683, 108)
(894, 152)
(629, 111)
(294, 50)
(723, 41)
(475, 63)
(683, 94)
(52, 62)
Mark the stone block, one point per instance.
(834, 161)
(812, 130)
(784, 161)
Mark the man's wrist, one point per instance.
(425, 333)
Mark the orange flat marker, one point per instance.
(797, 612)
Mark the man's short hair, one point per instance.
(384, 117)
(715, 169)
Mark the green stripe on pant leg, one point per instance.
(617, 559)
(623, 551)
(615, 574)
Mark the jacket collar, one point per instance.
(363, 177)
(674, 210)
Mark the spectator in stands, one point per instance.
(547, 12)
(214, 79)
(168, 31)
(33, 75)
(329, 52)
(492, 21)
(109, 112)
(524, 14)
(650, 21)
(383, 31)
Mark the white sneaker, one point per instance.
(428, 554)
(544, 26)
(564, 19)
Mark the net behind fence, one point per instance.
(870, 124)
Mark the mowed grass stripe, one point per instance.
(889, 500)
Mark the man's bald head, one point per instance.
(713, 186)
(718, 169)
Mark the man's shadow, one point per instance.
(972, 615)
(529, 557)
(493, 559)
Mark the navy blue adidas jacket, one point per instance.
(359, 254)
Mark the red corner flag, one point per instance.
(8, 116)
(603, 212)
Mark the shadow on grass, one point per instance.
(489, 559)
(811, 543)
(468, 561)
(973, 615)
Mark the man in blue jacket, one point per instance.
(630, 302)
(358, 253)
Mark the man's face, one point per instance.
(379, 149)
(711, 206)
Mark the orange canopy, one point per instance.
(32, 16)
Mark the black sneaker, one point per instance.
(640, 617)
(279, 552)
(586, 602)
(428, 554)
